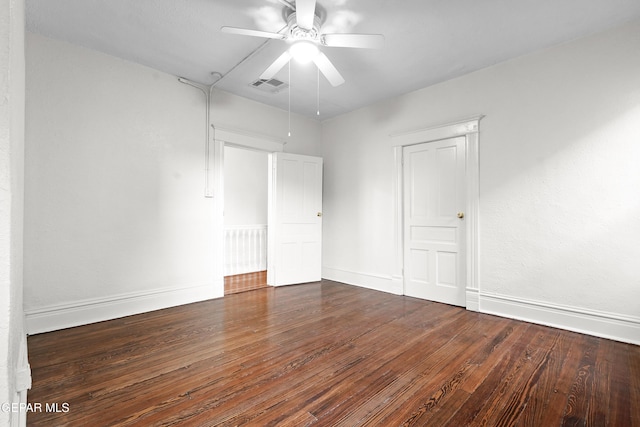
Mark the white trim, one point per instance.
(22, 383)
(468, 128)
(224, 136)
(217, 215)
(434, 133)
(23, 369)
(591, 322)
(473, 299)
(271, 215)
(236, 137)
(398, 212)
(376, 282)
(246, 227)
(88, 311)
(473, 213)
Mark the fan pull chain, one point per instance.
(318, 92)
(289, 97)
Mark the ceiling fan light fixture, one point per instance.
(303, 32)
(303, 51)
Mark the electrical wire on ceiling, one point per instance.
(207, 90)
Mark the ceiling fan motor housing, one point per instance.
(297, 33)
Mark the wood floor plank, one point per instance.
(459, 387)
(514, 397)
(633, 362)
(580, 392)
(499, 387)
(392, 368)
(546, 405)
(435, 378)
(330, 354)
(342, 352)
(245, 282)
(305, 349)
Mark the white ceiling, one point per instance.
(427, 41)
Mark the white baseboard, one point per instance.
(23, 369)
(472, 299)
(84, 312)
(591, 322)
(363, 280)
(22, 384)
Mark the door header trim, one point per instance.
(434, 133)
(242, 138)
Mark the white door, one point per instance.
(295, 219)
(434, 200)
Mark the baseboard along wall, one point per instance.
(77, 313)
(591, 322)
(601, 324)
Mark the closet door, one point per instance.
(434, 200)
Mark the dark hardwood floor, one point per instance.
(245, 282)
(332, 355)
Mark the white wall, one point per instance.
(246, 186)
(234, 112)
(559, 180)
(115, 218)
(14, 373)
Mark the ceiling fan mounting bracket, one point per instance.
(297, 33)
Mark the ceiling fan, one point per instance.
(303, 32)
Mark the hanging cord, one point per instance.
(289, 97)
(318, 92)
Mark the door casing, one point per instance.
(469, 129)
(434, 223)
(237, 138)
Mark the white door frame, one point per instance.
(234, 138)
(468, 128)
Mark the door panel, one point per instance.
(419, 260)
(295, 221)
(434, 191)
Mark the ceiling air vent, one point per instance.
(269, 85)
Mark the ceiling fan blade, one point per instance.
(305, 13)
(254, 33)
(277, 65)
(327, 68)
(365, 41)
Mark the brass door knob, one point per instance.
(319, 213)
(460, 215)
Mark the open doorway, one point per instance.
(246, 187)
(293, 186)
